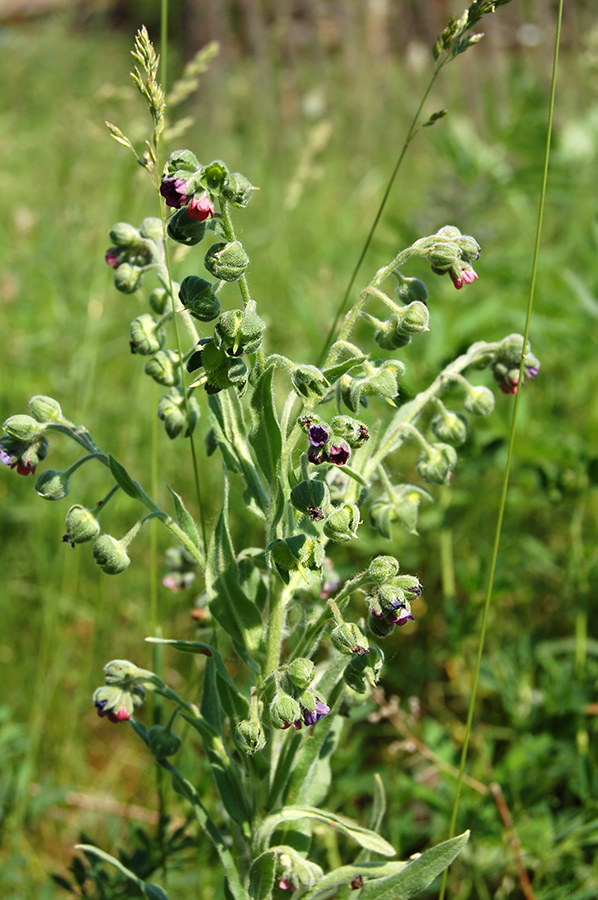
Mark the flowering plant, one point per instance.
(316, 465)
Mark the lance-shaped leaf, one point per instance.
(265, 432)
(347, 874)
(261, 876)
(228, 422)
(151, 891)
(184, 518)
(124, 480)
(363, 836)
(229, 605)
(418, 873)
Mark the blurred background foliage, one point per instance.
(312, 101)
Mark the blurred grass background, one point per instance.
(312, 102)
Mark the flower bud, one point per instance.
(145, 337)
(313, 707)
(52, 485)
(311, 497)
(162, 742)
(389, 336)
(164, 368)
(127, 278)
(182, 161)
(110, 555)
(221, 371)
(239, 331)
(285, 711)
(381, 627)
(348, 638)
(184, 229)
(124, 235)
(309, 382)
(337, 452)
(250, 737)
(159, 300)
(299, 550)
(414, 319)
(113, 702)
(197, 296)
(45, 409)
(213, 176)
(151, 228)
(380, 380)
(449, 427)
(444, 256)
(363, 670)
(351, 430)
(226, 261)
(383, 568)
(479, 401)
(410, 290)
(237, 189)
(172, 410)
(342, 524)
(301, 672)
(122, 671)
(436, 465)
(22, 428)
(81, 525)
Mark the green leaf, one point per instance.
(261, 876)
(184, 518)
(340, 369)
(151, 891)
(316, 783)
(229, 605)
(418, 874)
(226, 414)
(265, 435)
(345, 875)
(363, 836)
(124, 480)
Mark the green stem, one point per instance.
(503, 498)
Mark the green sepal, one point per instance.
(124, 480)
(337, 371)
(418, 874)
(184, 518)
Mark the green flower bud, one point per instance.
(389, 336)
(381, 627)
(449, 427)
(239, 331)
(348, 638)
(45, 409)
(284, 711)
(469, 247)
(124, 235)
(226, 261)
(301, 672)
(213, 176)
(479, 401)
(250, 737)
(110, 555)
(198, 297)
(383, 568)
(145, 337)
(300, 550)
(162, 742)
(312, 498)
(309, 382)
(364, 670)
(185, 229)
(237, 189)
(123, 672)
(343, 523)
(52, 485)
(437, 464)
(151, 228)
(380, 380)
(159, 301)
(183, 161)
(414, 319)
(172, 410)
(350, 430)
(22, 428)
(410, 290)
(127, 278)
(444, 256)
(164, 368)
(221, 371)
(81, 525)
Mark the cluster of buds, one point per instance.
(122, 693)
(449, 251)
(332, 443)
(23, 444)
(507, 362)
(389, 603)
(132, 251)
(379, 378)
(295, 704)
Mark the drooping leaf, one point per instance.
(363, 836)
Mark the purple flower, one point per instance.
(532, 371)
(174, 191)
(403, 617)
(113, 256)
(5, 458)
(338, 454)
(318, 435)
(311, 717)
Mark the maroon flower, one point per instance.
(174, 191)
(464, 276)
(113, 257)
(317, 455)
(403, 617)
(119, 715)
(286, 885)
(338, 454)
(318, 435)
(201, 208)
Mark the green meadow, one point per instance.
(320, 142)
